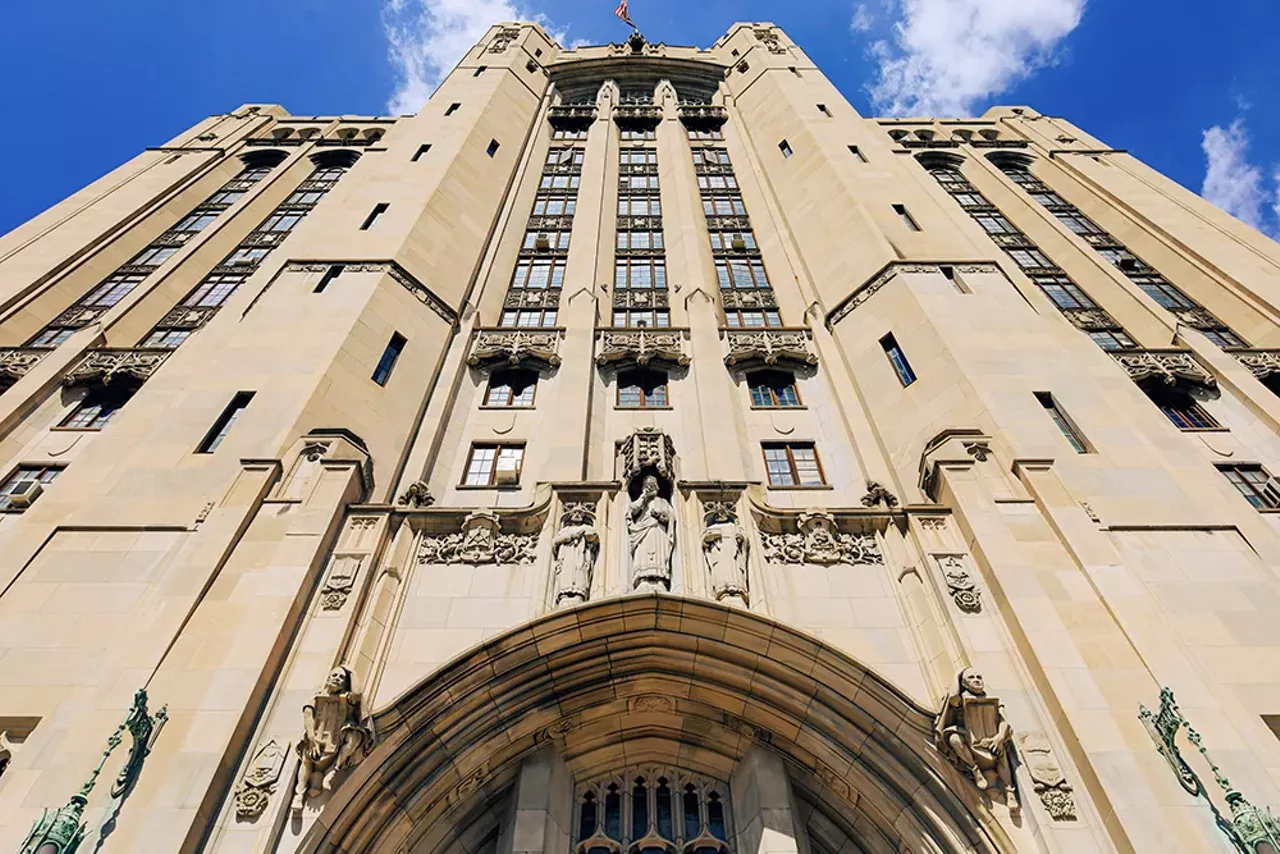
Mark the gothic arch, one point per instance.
(661, 679)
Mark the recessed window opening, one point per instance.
(453, 108)
(905, 216)
(334, 271)
(223, 425)
(512, 389)
(422, 149)
(378, 210)
(493, 147)
(99, 405)
(481, 70)
(822, 108)
(785, 148)
(949, 273)
(24, 486)
(898, 359)
(856, 152)
(494, 465)
(1254, 483)
(642, 389)
(792, 464)
(390, 355)
(1069, 430)
(773, 389)
(1179, 404)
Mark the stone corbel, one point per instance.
(783, 347)
(642, 347)
(1169, 366)
(516, 347)
(102, 366)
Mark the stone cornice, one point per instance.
(392, 269)
(894, 268)
(515, 347)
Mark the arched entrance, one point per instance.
(655, 681)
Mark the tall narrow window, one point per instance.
(327, 279)
(898, 359)
(905, 216)
(1255, 484)
(481, 70)
(390, 355)
(822, 108)
(378, 210)
(1069, 430)
(792, 464)
(223, 425)
(785, 148)
(422, 149)
(493, 147)
(453, 108)
(857, 152)
(495, 465)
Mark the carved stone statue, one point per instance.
(972, 730)
(725, 548)
(575, 548)
(333, 737)
(651, 535)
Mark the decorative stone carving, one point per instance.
(641, 298)
(188, 318)
(755, 732)
(756, 298)
(702, 114)
(1167, 365)
(769, 38)
(889, 273)
(105, 365)
(341, 580)
(834, 782)
(818, 541)
(1261, 363)
(648, 447)
(480, 541)
(960, 584)
(515, 347)
(641, 346)
(725, 550)
(728, 223)
(16, 362)
(651, 703)
(532, 298)
(555, 731)
(575, 548)
(1197, 318)
(503, 39)
(933, 523)
(971, 730)
(769, 347)
(637, 114)
(259, 781)
(402, 276)
(333, 736)
(651, 538)
(417, 496)
(1090, 319)
(877, 495)
(1047, 777)
(470, 784)
(979, 449)
(571, 114)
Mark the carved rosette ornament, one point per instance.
(971, 731)
(574, 549)
(333, 738)
(725, 550)
(819, 541)
(1046, 777)
(641, 347)
(480, 541)
(1170, 366)
(105, 365)
(960, 584)
(259, 781)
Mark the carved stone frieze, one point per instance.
(769, 38)
(107, 364)
(818, 540)
(702, 114)
(78, 317)
(637, 114)
(1261, 363)
(532, 298)
(979, 449)
(260, 780)
(933, 523)
(648, 448)
(641, 298)
(1167, 365)
(503, 39)
(639, 223)
(755, 298)
(961, 587)
(480, 541)
(1198, 318)
(891, 271)
(728, 223)
(877, 494)
(16, 362)
(1047, 777)
(769, 347)
(641, 346)
(516, 347)
(188, 318)
(1091, 319)
(570, 114)
(550, 223)
(341, 580)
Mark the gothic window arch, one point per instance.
(652, 810)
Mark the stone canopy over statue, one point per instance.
(971, 729)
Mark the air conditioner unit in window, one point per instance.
(25, 492)
(541, 242)
(739, 244)
(507, 473)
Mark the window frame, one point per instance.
(794, 471)
(506, 380)
(771, 380)
(1255, 493)
(901, 365)
(645, 381)
(46, 474)
(499, 448)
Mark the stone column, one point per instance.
(543, 809)
(764, 814)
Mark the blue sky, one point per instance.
(1190, 88)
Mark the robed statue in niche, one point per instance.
(651, 535)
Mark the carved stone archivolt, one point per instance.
(769, 347)
(333, 738)
(1169, 366)
(515, 347)
(1049, 782)
(260, 780)
(972, 731)
(480, 541)
(725, 551)
(16, 362)
(818, 540)
(102, 366)
(641, 347)
(574, 552)
(961, 587)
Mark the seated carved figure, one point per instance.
(971, 729)
(333, 737)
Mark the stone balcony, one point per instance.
(105, 365)
(1170, 366)
(17, 362)
(702, 114)
(637, 114)
(570, 114)
(791, 346)
(537, 348)
(1261, 363)
(642, 347)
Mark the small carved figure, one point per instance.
(418, 495)
(725, 548)
(575, 548)
(972, 730)
(333, 737)
(651, 534)
(878, 494)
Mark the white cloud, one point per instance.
(944, 57)
(863, 19)
(426, 38)
(1230, 181)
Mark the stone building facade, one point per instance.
(638, 451)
